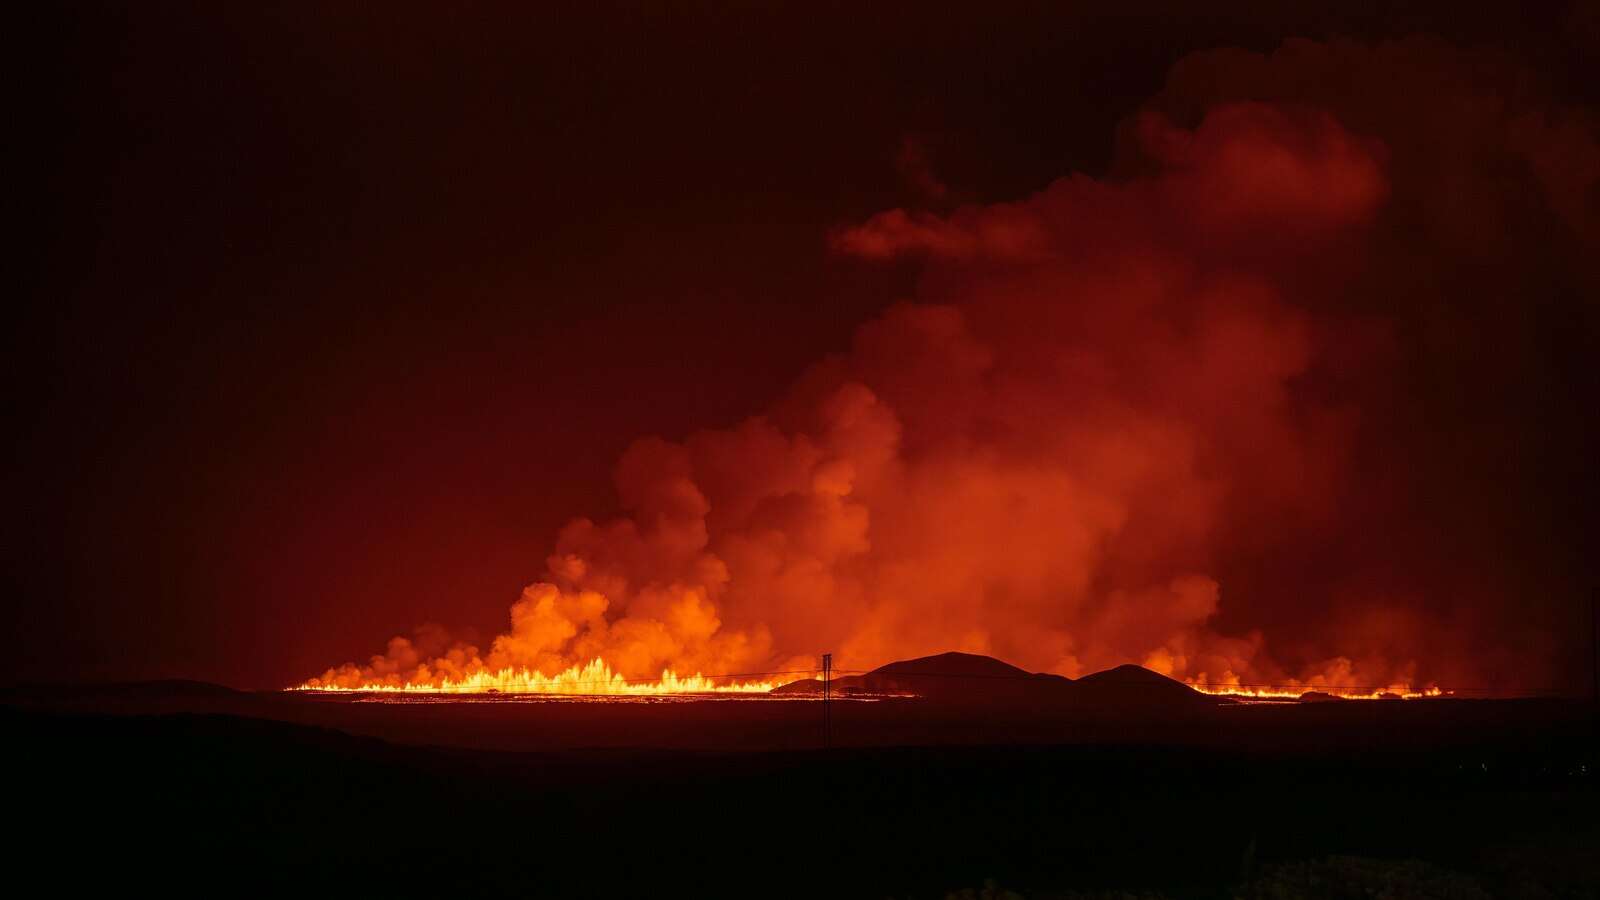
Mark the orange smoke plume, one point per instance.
(1111, 406)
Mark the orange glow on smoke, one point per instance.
(595, 678)
(1104, 404)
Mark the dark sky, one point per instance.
(339, 311)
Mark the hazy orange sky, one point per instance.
(1261, 339)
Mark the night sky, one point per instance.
(333, 314)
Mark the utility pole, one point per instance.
(827, 711)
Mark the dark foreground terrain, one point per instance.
(200, 789)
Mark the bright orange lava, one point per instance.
(1293, 692)
(595, 678)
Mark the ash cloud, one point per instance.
(1288, 397)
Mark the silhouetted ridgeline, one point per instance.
(971, 678)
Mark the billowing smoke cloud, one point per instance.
(1271, 402)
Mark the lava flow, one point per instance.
(1295, 692)
(596, 678)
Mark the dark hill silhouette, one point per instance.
(971, 678)
(961, 664)
(1135, 687)
(943, 676)
(964, 677)
(1319, 697)
(1128, 673)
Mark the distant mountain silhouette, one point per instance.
(964, 664)
(972, 678)
(1131, 686)
(943, 676)
(962, 677)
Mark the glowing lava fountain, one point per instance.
(596, 678)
